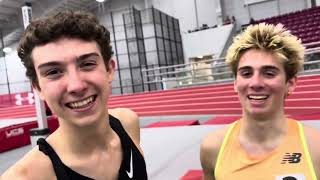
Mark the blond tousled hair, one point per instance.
(271, 38)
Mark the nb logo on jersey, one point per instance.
(291, 158)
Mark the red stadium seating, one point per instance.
(305, 24)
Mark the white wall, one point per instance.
(287, 6)
(185, 11)
(205, 42)
(261, 10)
(16, 75)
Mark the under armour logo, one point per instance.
(20, 99)
(291, 158)
(130, 172)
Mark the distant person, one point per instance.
(264, 144)
(68, 59)
(252, 21)
(227, 20)
(233, 19)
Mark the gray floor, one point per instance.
(169, 151)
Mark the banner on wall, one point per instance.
(26, 14)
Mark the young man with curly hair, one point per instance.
(68, 60)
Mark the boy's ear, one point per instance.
(111, 69)
(235, 86)
(291, 85)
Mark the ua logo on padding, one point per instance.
(20, 99)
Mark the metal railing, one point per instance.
(212, 71)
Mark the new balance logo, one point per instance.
(291, 158)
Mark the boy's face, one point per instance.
(73, 79)
(261, 83)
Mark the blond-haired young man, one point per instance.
(263, 144)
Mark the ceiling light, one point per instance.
(100, 1)
(7, 50)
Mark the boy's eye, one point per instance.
(245, 73)
(53, 73)
(88, 65)
(270, 73)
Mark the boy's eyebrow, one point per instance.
(270, 67)
(263, 67)
(85, 56)
(244, 68)
(57, 63)
(48, 64)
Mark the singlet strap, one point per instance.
(126, 142)
(306, 151)
(56, 161)
(221, 150)
(119, 129)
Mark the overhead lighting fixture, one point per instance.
(100, 1)
(7, 50)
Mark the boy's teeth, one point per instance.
(258, 97)
(82, 103)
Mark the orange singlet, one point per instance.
(290, 161)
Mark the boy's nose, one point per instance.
(76, 83)
(256, 82)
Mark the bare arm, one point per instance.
(34, 166)
(209, 151)
(313, 137)
(207, 157)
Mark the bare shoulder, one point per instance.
(313, 137)
(209, 150)
(130, 121)
(128, 118)
(34, 165)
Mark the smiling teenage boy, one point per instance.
(263, 144)
(68, 59)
